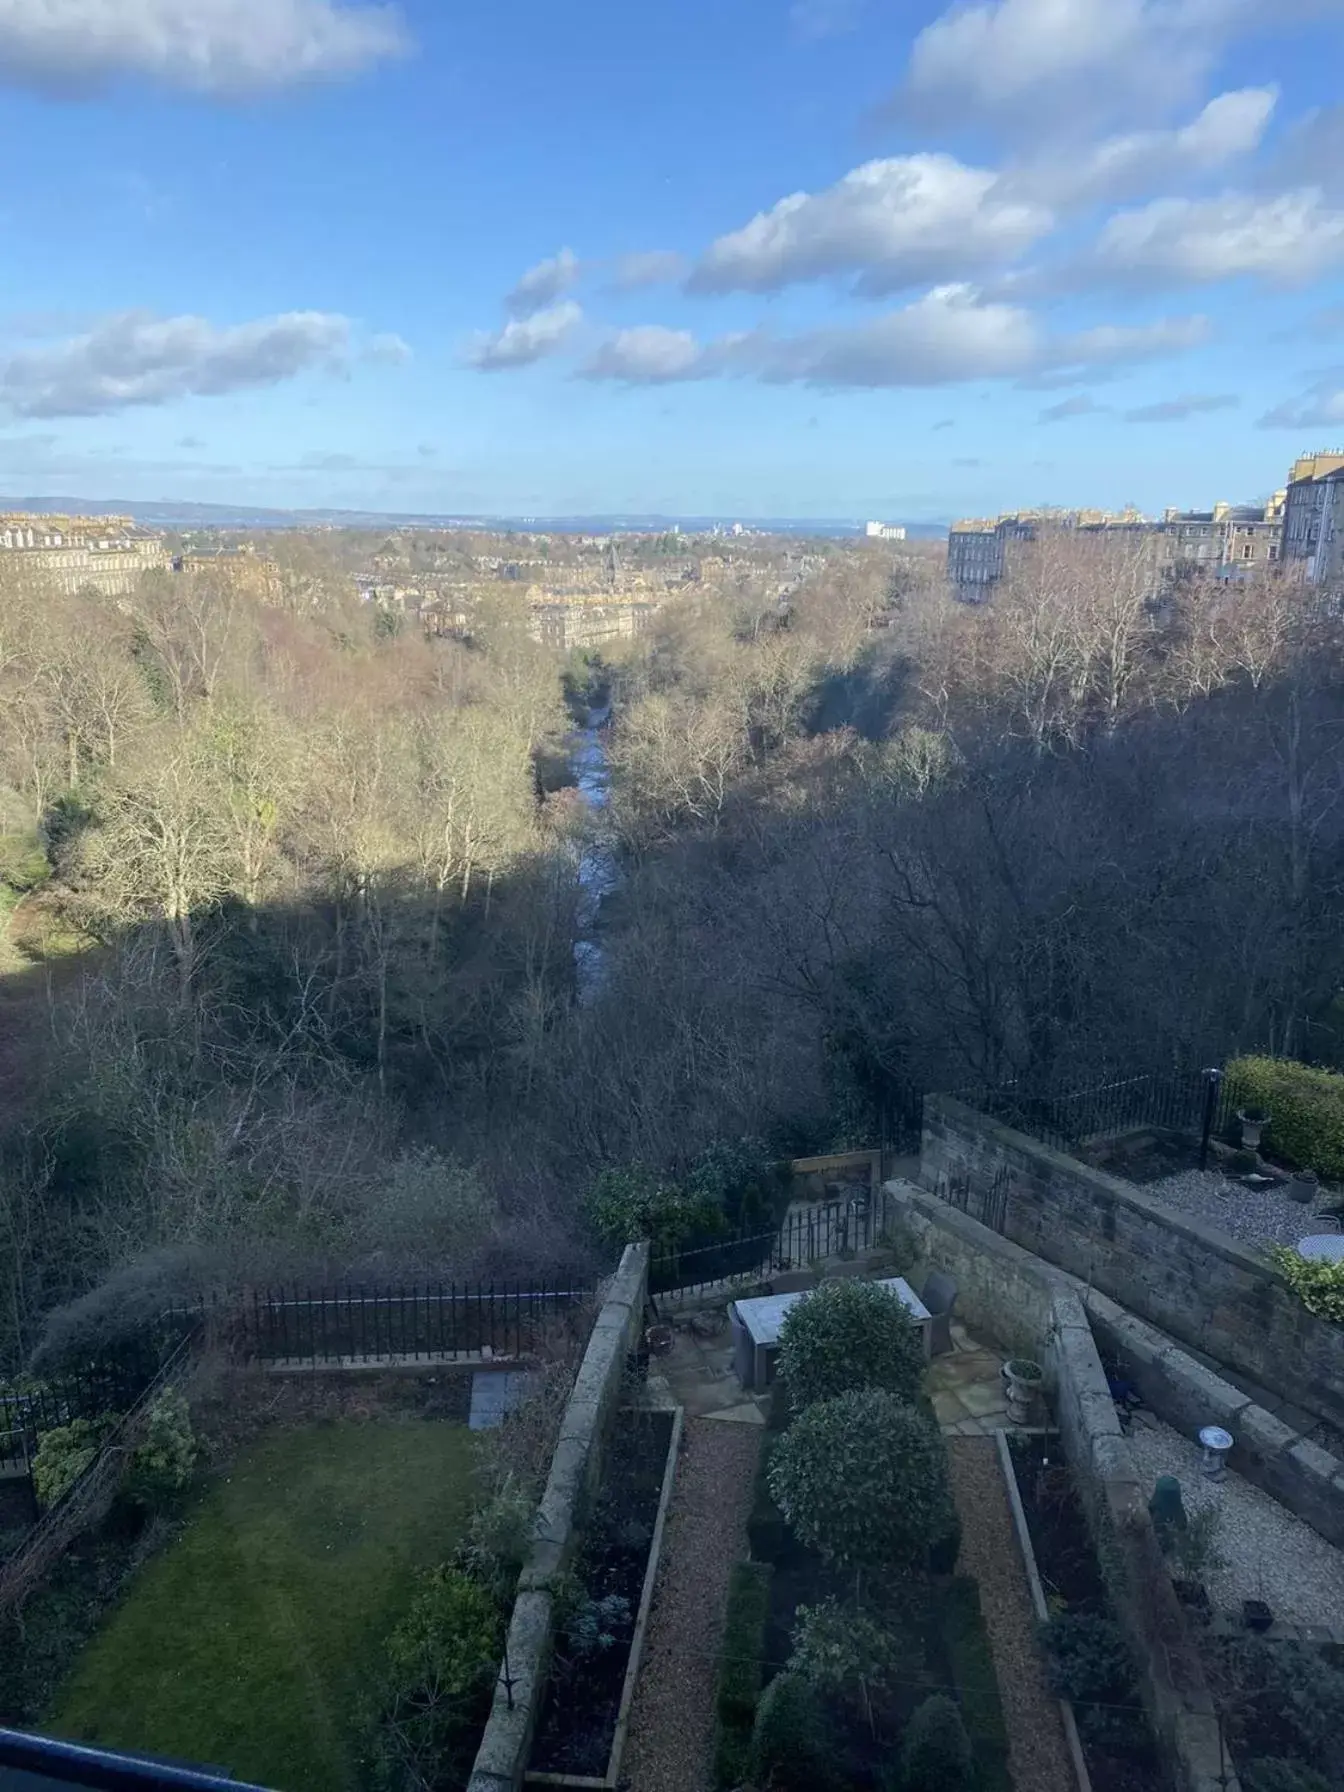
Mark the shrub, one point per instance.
(626, 1205)
(1305, 1108)
(836, 1648)
(790, 1744)
(742, 1665)
(739, 1180)
(850, 1335)
(499, 1537)
(863, 1480)
(936, 1753)
(967, 1644)
(162, 1465)
(1283, 1689)
(1089, 1663)
(768, 1533)
(440, 1666)
(1274, 1773)
(63, 1455)
(1319, 1286)
(741, 1671)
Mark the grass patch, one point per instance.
(252, 1642)
(741, 1670)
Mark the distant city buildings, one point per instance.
(1313, 524)
(885, 531)
(590, 620)
(107, 554)
(243, 568)
(1231, 541)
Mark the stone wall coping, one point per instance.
(501, 1760)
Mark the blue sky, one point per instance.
(832, 258)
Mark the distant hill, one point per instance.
(167, 513)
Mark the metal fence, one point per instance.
(415, 1321)
(831, 1229)
(1198, 1102)
(111, 1382)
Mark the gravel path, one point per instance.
(672, 1719)
(1269, 1553)
(989, 1551)
(1254, 1216)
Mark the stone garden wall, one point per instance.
(1190, 1280)
(576, 1468)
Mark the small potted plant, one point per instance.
(1253, 1123)
(1304, 1187)
(1256, 1615)
(1194, 1555)
(1024, 1379)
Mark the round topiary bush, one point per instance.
(936, 1753)
(850, 1335)
(863, 1480)
(790, 1741)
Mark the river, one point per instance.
(599, 873)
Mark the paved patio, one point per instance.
(966, 1386)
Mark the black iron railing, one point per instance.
(831, 1229)
(1194, 1102)
(415, 1320)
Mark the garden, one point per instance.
(854, 1655)
(303, 1582)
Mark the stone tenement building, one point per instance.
(107, 554)
(243, 568)
(587, 620)
(1313, 524)
(1230, 541)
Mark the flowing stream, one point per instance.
(598, 870)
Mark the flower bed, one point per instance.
(1088, 1657)
(597, 1623)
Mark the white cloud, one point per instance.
(1082, 406)
(896, 222)
(648, 267)
(1052, 67)
(1176, 410)
(1321, 406)
(949, 336)
(135, 358)
(1286, 238)
(543, 284)
(224, 47)
(650, 354)
(1107, 344)
(524, 340)
(1230, 126)
(388, 350)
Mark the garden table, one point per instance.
(1322, 1247)
(756, 1324)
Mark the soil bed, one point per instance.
(1117, 1742)
(583, 1697)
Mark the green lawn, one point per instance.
(249, 1643)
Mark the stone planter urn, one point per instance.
(1253, 1123)
(1024, 1380)
(1304, 1187)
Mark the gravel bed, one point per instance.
(1253, 1216)
(671, 1735)
(1268, 1552)
(991, 1553)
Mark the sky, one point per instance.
(750, 258)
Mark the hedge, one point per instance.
(1305, 1108)
(741, 1670)
(768, 1533)
(963, 1635)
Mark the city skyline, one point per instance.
(817, 260)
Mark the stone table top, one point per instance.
(763, 1316)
